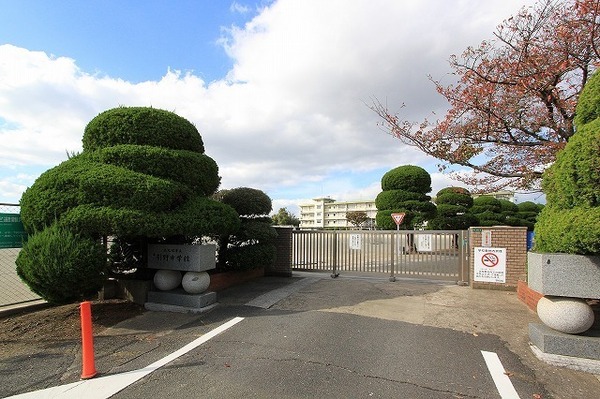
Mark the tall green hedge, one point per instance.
(570, 221)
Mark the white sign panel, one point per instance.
(486, 238)
(424, 242)
(490, 265)
(355, 241)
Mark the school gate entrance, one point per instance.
(426, 254)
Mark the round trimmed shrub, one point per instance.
(486, 203)
(164, 163)
(405, 190)
(453, 204)
(407, 177)
(61, 266)
(199, 216)
(449, 211)
(458, 222)
(141, 126)
(529, 207)
(247, 201)
(391, 198)
(251, 246)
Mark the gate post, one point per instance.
(334, 249)
(463, 254)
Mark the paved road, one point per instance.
(331, 338)
(279, 354)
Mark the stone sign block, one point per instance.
(575, 276)
(186, 258)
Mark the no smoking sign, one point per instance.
(489, 259)
(490, 264)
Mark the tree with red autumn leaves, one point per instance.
(513, 105)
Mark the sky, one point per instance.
(279, 90)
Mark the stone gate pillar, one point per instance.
(283, 261)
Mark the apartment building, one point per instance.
(327, 213)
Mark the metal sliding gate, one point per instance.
(431, 254)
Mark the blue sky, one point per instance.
(277, 88)
(132, 40)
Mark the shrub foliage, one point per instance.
(62, 266)
(142, 175)
(252, 245)
(405, 190)
(453, 205)
(570, 222)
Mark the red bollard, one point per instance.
(87, 341)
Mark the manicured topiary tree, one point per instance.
(142, 175)
(405, 190)
(527, 214)
(570, 221)
(453, 204)
(252, 245)
(488, 211)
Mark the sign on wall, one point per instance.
(12, 232)
(486, 238)
(490, 265)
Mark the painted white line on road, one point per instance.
(105, 387)
(503, 384)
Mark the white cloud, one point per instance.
(239, 8)
(292, 110)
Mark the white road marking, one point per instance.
(105, 387)
(503, 384)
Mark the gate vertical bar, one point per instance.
(392, 257)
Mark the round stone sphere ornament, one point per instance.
(568, 315)
(166, 280)
(195, 282)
